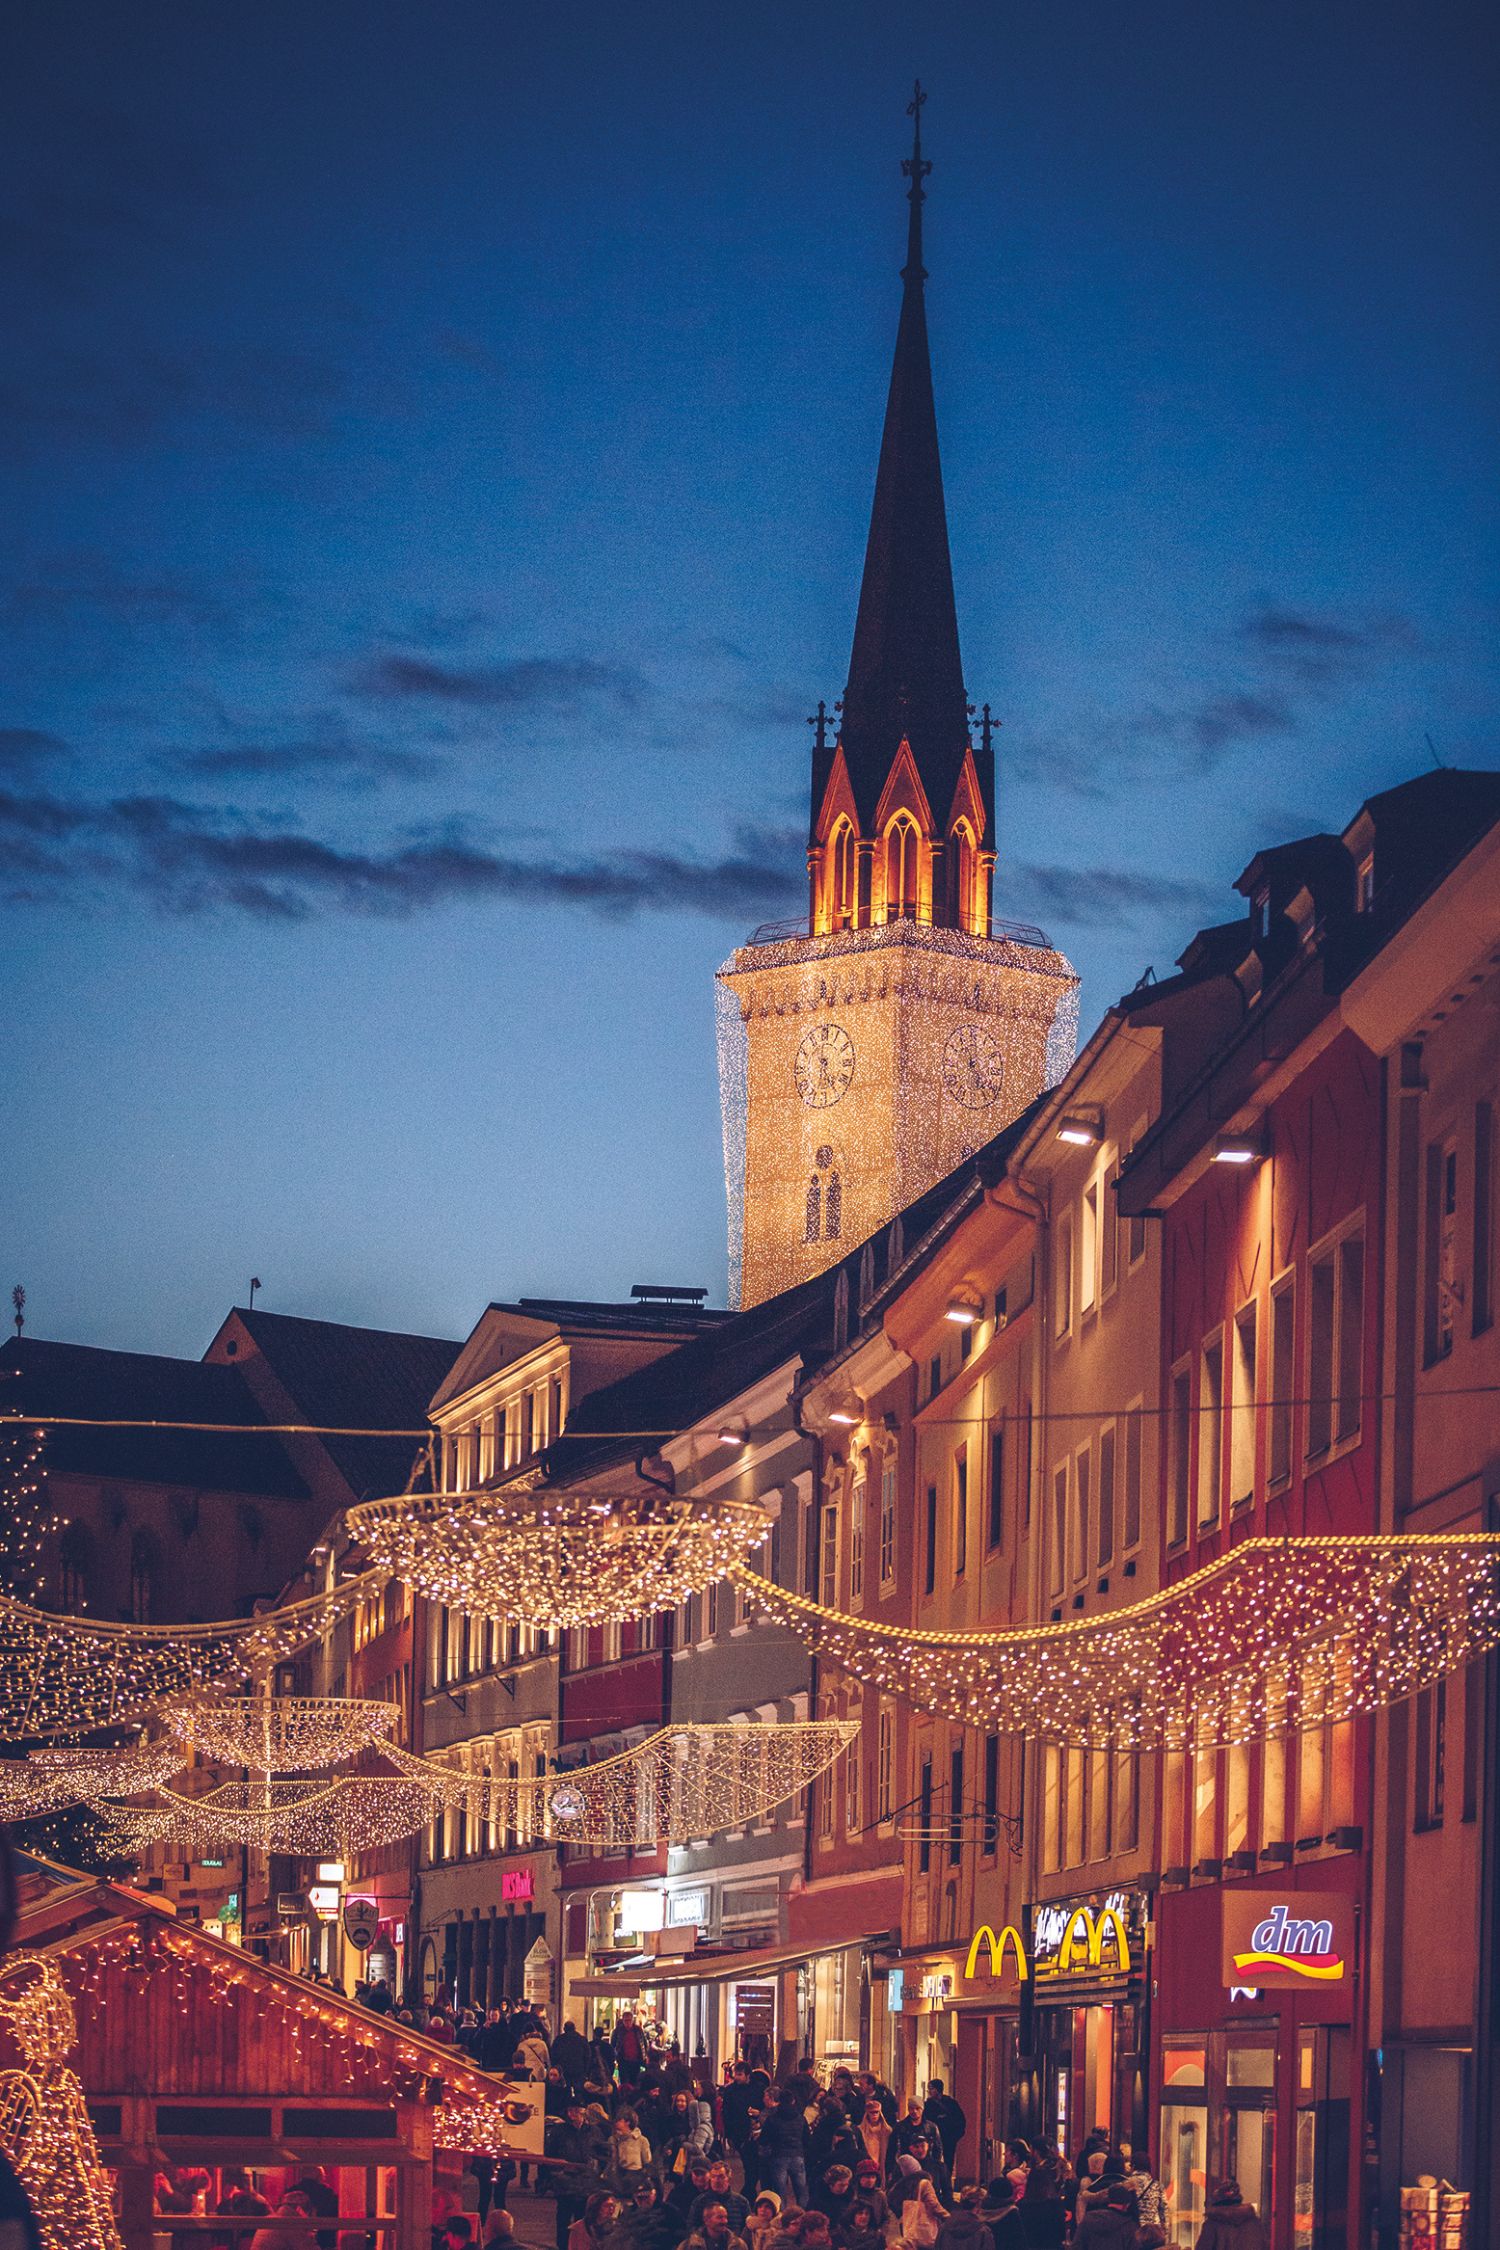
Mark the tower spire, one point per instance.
(905, 673)
(915, 168)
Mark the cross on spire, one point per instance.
(915, 168)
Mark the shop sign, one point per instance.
(361, 1923)
(755, 2008)
(895, 1991)
(323, 1898)
(1067, 1941)
(536, 1975)
(937, 1985)
(518, 1883)
(1300, 1941)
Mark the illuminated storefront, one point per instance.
(1089, 2003)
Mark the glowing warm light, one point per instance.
(1080, 1132)
(1238, 1148)
(1278, 1636)
(281, 1733)
(534, 1555)
(45, 2128)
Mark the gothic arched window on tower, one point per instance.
(814, 1209)
(833, 1208)
(901, 869)
(841, 865)
(965, 870)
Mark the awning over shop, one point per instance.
(711, 1968)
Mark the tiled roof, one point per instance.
(40, 1377)
(357, 1378)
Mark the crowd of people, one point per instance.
(646, 2153)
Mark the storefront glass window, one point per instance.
(1183, 2158)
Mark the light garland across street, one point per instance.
(280, 1734)
(530, 1554)
(1279, 1636)
(70, 1675)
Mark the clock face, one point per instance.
(825, 1065)
(567, 1803)
(973, 1066)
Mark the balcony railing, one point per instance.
(799, 926)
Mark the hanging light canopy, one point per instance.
(1279, 1636)
(340, 1816)
(279, 1734)
(54, 1777)
(533, 1554)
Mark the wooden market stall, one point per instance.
(196, 2056)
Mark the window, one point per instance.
(1135, 1426)
(991, 1793)
(1336, 1307)
(1273, 1770)
(965, 887)
(929, 1578)
(1205, 1807)
(1135, 1239)
(888, 1521)
(853, 1786)
(828, 1560)
(901, 846)
(826, 1788)
(1062, 1283)
(994, 1529)
(710, 1619)
(1180, 1434)
(1430, 1726)
(934, 1375)
(857, 1540)
(885, 1764)
(1484, 1217)
(841, 858)
(528, 1424)
(1073, 1808)
(960, 1511)
(1441, 1246)
(955, 1806)
(1364, 884)
(1236, 1798)
(1283, 1380)
(1109, 1228)
(1083, 1470)
(966, 1341)
(1088, 1248)
(145, 1558)
(814, 1227)
(1312, 1747)
(1051, 1809)
(1127, 1808)
(924, 1818)
(1025, 1476)
(1242, 1415)
(1097, 1791)
(1059, 1526)
(1105, 1550)
(1211, 1432)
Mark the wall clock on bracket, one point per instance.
(973, 1066)
(824, 1065)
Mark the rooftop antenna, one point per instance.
(254, 1285)
(1432, 753)
(18, 1299)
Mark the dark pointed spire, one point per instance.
(905, 676)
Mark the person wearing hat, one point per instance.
(686, 2189)
(998, 2210)
(1232, 2223)
(869, 2192)
(764, 2219)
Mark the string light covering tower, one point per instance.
(1278, 1636)
(45, 2127)
(865, 1053)
(533, 1554)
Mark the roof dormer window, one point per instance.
(1260, 913)
(1364, 884)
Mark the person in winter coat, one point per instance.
(833, 2141)
(859, 2231)
(715, 2232)
(573, 2056)
(719, 2190)
(764, 2219)
(629, 2050)
(600, 2216)
(869, 2192)
(875, 2132)
(909, 2126)
(1044, 2215)
(645, 2223)
(1146, 2188)
(1110, 2224)
(532, 2058)
(631, 2157)
(834, 2195)
(943, 2115)
(1232, 2223)
(1001, 2214)
(967, 2228)
(783, 2148)
(922, 2215)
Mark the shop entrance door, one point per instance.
(1183, 2158)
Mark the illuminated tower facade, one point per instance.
(865, 1054)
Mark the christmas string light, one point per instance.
(45, 2128)
(279, 1734)
(52, 1778)
(29, 1523)
(528, 1553)
(1278, 1636)
(71, 1675)
(681, 1782)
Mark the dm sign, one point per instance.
(1288, 1942)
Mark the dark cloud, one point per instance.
(189, 859)
(1104, 897)
(22, 748)
(1288, 663)
(524, 682)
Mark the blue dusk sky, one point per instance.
(436, 445)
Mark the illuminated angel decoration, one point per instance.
(45, 2128)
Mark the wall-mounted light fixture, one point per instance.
(1081, 1128)
(1239, 1148)
(962, 1309)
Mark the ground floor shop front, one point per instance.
(1260, 2068)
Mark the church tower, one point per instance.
(865, 1053)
